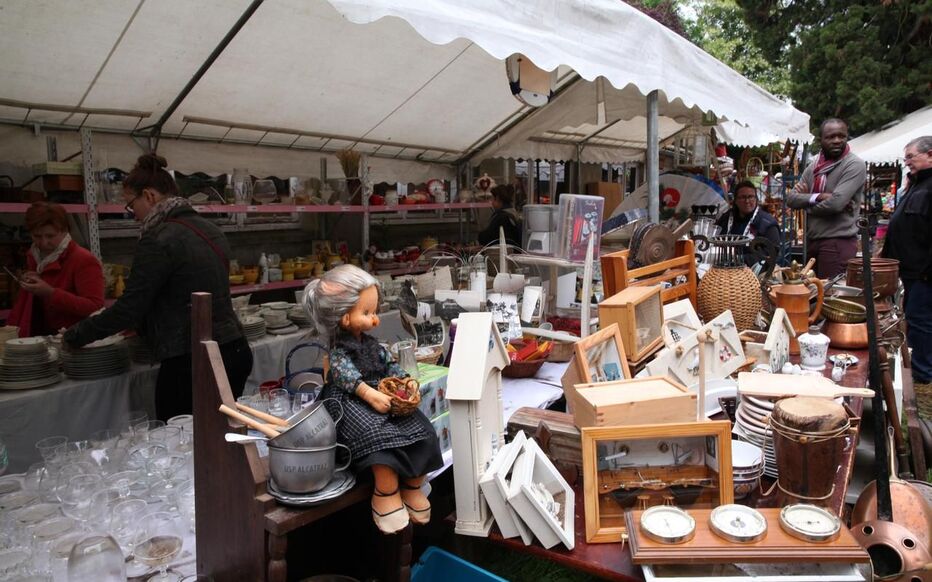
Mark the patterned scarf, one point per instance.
(160, 211)
(823, 167)
(43, 262)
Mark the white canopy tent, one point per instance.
(885, 146)
(402, 79)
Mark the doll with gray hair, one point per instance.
(343, 305)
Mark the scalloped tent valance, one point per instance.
(394, 78)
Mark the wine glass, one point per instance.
(123, 522)
(158, 542)
(4, 459)
(96, 557)
(76, 496)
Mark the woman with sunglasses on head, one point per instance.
(178, 253)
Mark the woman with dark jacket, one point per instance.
(747, 218)
(178, 253)
(503, 215)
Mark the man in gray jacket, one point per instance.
(831, 190)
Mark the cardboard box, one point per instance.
(611, 191)
(651, 400)
(433, 381)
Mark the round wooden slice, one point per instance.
(810, 415)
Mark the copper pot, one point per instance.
(848, 336)
(884, 271)
(896, 554)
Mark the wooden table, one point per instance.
(613, 561)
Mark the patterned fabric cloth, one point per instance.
(160, 211)
(363, 429)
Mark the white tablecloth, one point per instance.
(78, 408)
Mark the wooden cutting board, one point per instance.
(777, 385)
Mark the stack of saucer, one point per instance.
(28, 363)
(253, 327)
(747, 461)
(276, 321)
(7, 332)
(341, 482)
(100, 359)
(299, 317)
(752, 424)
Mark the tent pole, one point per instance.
(156, 128)
(653, 158)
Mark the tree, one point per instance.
(718, 27)
(865, 61)
(663, 11)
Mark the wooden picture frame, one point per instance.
(698, 473)
(599, 357)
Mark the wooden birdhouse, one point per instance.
(474, 390)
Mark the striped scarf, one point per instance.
(160, 211)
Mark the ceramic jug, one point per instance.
(813, 347)
(793, 297)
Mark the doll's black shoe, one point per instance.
(418, 516)
(393, 521)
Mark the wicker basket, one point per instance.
(401, 406)
(734, 288)
(523, 369)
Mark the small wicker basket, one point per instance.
(409, 386)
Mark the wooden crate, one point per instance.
(564, 442)
(651, 400)
(616, 275)
(638, 311)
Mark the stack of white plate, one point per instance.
(100, 359)
(7, 332)
(299, 317)
(253, 327)
(752, 424)
(342, 482)
(139, 351)
(28, 363)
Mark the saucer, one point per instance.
(341, 482)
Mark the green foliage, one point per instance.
(866, 61)
(718, 27)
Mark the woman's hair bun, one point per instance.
(151, 162)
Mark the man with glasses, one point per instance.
(831, 190)
(747, 218)
(909, 240)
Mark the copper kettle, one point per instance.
(793, 297)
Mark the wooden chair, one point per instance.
(616, 275)
(242, 532)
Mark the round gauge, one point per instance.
(666, 524)
(810, 523)
(738, 523)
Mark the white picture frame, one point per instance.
(495, 483)
(532, 470)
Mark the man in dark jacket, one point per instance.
(503, 216)
(909, 240)
(747, 218)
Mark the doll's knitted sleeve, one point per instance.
(343, 372)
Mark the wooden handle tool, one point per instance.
(251, 423)
(262, 415)
(777, 385)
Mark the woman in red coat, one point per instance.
(64, 282)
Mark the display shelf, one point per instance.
(22, 207)
(257, 287)
(544, 261)
(419, 207)
(277, 208)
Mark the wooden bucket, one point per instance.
(809, 440)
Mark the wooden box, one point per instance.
(565, 442)
(638, 311)
(651, 400)
(616, 275)
(550, 522)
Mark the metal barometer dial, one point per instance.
(738, 523)
(668, 525)
(810, 523)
